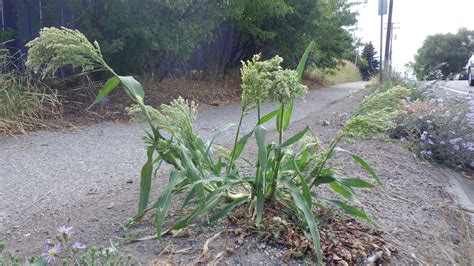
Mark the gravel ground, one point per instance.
(88, 178)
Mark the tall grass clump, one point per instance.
(343, 73)
(286, 173)
(24, 102)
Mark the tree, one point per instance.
(173, 37)
(446, 52)
(368, 65)
(324, 21)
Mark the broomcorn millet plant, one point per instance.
(286, 172)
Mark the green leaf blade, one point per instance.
(308, 214)
(145, 181)
(109, 86)
(295, 138)
(304, 59)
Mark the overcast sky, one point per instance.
(416, 20)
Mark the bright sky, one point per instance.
(416, 20)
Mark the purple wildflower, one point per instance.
(78, 246)
(49, 243)
(439, 102)
(470, 146)
(430, 142)
(64, 230)
(454, 141)
(442, 142)
(423, 152)
(423, 135)
(456, 147)
(428, 153)
(112, 249)
(51, 253)
(472, 165)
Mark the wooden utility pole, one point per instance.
(388, 41)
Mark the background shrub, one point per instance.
(343, 73)
(439, 131)
(24, 102)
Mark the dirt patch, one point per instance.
(77, 100)
(417, 216)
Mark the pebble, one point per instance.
(110, 206)
(325, 123)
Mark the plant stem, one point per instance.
(242, 113)
(258, 112)
(278, 152)
(257, 171)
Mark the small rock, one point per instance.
(130, 181)
(110, 206)
(325, 123)
(261, 245)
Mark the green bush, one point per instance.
(439, 131)
(285, 172)
(136, 38)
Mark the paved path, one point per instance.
(457, 87)
(55, 168)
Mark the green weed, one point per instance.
(287, 170)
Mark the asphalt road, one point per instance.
(53, 169)
(457, 87)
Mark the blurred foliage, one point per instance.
(446, 52)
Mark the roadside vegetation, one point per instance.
(436, 129)
(71, 252)
(285, 174)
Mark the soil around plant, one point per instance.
(420, 221)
